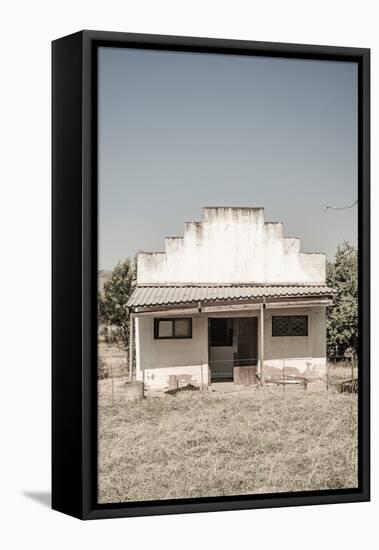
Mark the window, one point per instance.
(172, 328)
(221, 332)
(290, 325)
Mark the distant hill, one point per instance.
(103, 276)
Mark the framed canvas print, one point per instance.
(210, 275)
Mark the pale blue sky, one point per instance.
(179, 131)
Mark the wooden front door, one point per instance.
(245, 343)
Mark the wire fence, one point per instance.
(336, 374)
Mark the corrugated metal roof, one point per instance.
(165, 295)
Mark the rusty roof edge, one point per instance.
(223, 302)
(136, 300)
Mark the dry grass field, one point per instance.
(114, 358)
(339, 372)
(199, 444)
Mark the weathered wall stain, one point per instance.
(231, 245)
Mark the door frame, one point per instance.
(230, 315)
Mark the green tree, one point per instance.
(112, 309)
(342, 317)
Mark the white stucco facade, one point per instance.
(230, 246)
(156, 360)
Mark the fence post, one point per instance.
(262, 343)
(327, 374)
(111, 369)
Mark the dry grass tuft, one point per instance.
(202, 444)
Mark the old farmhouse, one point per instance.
(233, 299)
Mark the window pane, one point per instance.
(183, 328)
(298, 326)
(164, 329)
(221, 332)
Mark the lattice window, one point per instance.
(290, 325)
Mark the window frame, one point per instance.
(172, 319)
(306, 317)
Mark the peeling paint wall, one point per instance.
(303, 355)
(157, 360)
(231, 245)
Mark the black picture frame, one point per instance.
(74, 271)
